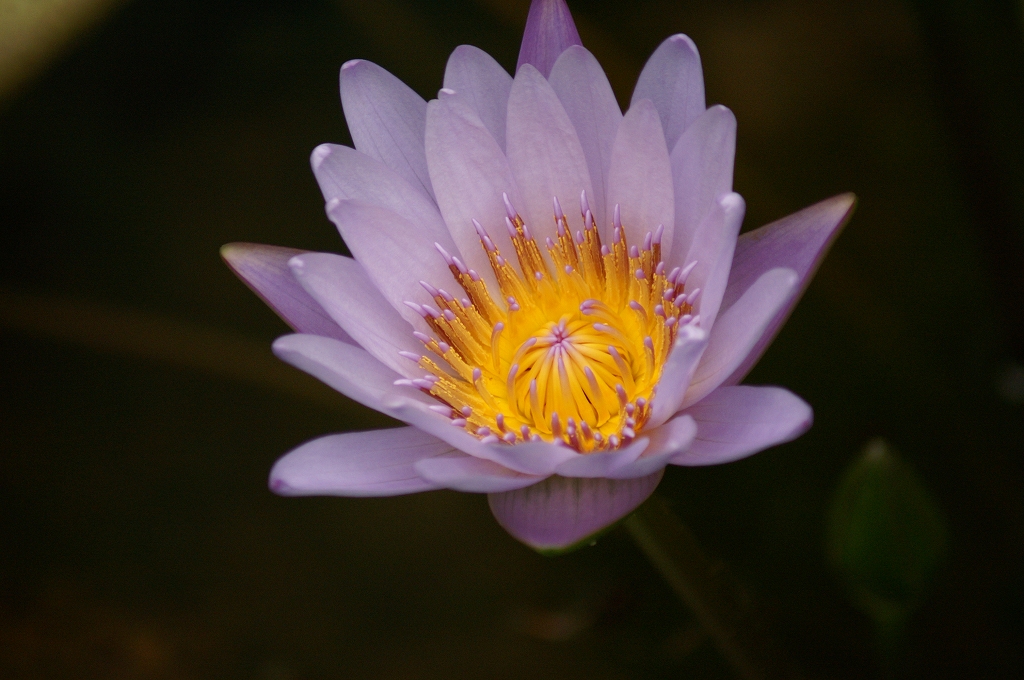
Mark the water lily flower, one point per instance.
(554, 361)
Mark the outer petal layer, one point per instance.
(353, 372)
(549, 32)
(475, 75)
(375, 463)
(667, 441)
(702, 165)
(677, 373)
(342, 287)
(396, 253)
(265, 270)
(739, 329)
(712, 249)
(798, 242)
(386, 120)
(673, 80)
(473, 475)
(560, 512)
(345, 173)
(735, 422)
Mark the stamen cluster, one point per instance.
(571, 352)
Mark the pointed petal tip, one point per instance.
(849, 199)
(735, 422)
(229, 252)
(350, 63)
(549, 31)
(279, 486)
(683, 39)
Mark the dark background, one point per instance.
(142, 410)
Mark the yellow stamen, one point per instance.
(570, 346)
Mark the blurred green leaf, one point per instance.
(886, 536)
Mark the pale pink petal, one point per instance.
(640, 176)
(561, 512)
(342, 287)
(712, 249)
(470, 174)
(738, 421)
(702, 164)
(345, 173)
(265, 270)
(667, 441)
(739, 329)
(544, 152)
(673, 80)
(582, 87)
(473, 475)
(677, 373)
(386, 119)
(603, 463)
(798, 242)
(396, 253)
(549, 32)
(375, 463)
(475, 75)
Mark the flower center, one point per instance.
(573, 350)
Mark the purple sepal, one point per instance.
(562, 513)
(549, 32)
(265, 270)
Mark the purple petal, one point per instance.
(640, 176)
(353, 372)
(667, 442)
(345, 173)
(740, 327)
(473, 475)
(702, 164)
(345, 368)
(582, 87)
(413, 407)
(397, 254)
(549, 32)
(537, 458)
(469, 172)
(603, 463)
(342, 287)
(265, 270)
(798, 242)
(712, 249)
(386, 119)
(376, 463)
(673, 80)
(735, 422)
(561, 512)
(475, 75)
(543, 151)
(677, 373)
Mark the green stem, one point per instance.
(720, 603)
